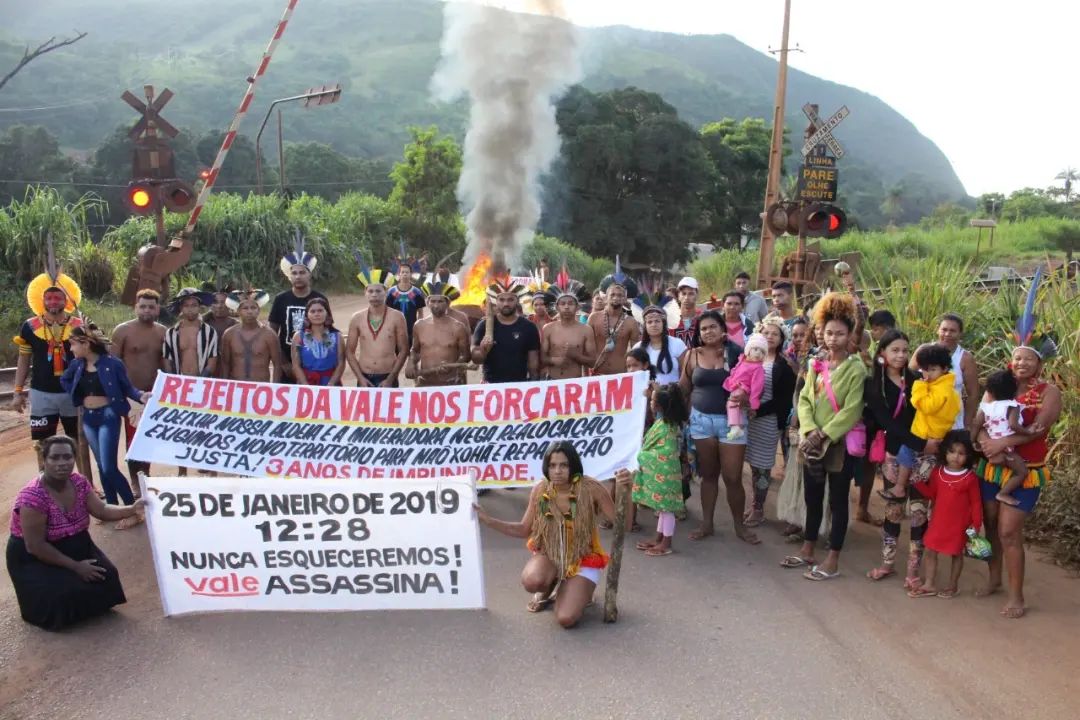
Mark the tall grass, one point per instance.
(25, 224)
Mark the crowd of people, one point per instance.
(835, 394)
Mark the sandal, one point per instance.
(818, 575)
(606, 525)
(880, 573)
(794, 561)
(1013, 613)
(540, 602)
(657, 552)
(645, 545)
(921, 592)
(948, 593)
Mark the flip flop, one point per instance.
(1013, 613)
(794, 561)
(644, 545)
(818, 575)
(540, 604)
(880, 573)
(921, 592)
(656, 552)
(948, 594)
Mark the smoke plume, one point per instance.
(512, 67)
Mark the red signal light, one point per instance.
(827, 221)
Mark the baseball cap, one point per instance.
(688, 282)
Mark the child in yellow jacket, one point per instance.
(936, 402)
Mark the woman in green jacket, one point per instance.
(830, 404)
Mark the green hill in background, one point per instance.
(383, 53)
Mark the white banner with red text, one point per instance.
(494, 434)
(226, 544)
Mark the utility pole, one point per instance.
(776, 156)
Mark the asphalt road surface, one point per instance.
(716, 630)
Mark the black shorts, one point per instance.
(377, 379)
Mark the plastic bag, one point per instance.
(977, 546)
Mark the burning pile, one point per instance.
(512, 67)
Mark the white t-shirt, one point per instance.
(676, 348)
(996, 413)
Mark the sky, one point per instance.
(991, 82)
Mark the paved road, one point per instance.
(716, 630)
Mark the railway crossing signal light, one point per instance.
(824, 221)
(783, 218)
(141, 197)
(178, 196)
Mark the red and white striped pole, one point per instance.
(230, 136)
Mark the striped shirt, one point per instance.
(206, 344)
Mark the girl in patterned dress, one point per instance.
(658, 481)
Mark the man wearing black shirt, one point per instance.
(287, 313)
(513, 354)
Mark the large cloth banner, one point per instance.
(493, 434)
(225, 544)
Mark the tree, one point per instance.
(425, 182)
(990, 204)
(317, 169)
(1027, 203)
(1069, 175)
(31, 155)
(1064, 236)
(892, 207)
(739, 153)
(632, 179)
(238, 172)
(30, 55)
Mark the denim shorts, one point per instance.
(906, 457)
(1028, 497)
(705, 426)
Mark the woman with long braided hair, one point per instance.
(561, 524)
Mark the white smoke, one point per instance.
(512, 67)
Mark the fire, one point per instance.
(474, 286)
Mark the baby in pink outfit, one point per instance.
(746, 381)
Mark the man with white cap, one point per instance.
(684, 312)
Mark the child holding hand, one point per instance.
(954, 489)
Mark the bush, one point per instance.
(92, 266)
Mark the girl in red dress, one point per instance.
(957, 499)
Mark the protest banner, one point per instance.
(494, 434)
(226, 544)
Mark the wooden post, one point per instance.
(489, 320)
(611, 609)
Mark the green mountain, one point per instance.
(383, 53)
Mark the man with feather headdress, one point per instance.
(568, 347)
(249, 351)
(287, 313)
(615, 328)
(45, 351)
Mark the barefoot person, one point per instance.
(512, 353)
(45, 352)
(287, 313)
(137, 343)
(830, 404)
(561, 526)
(568, 348)
(1005, 522)
(190, 346)
(59, 575)
(378, 332)
(250, 351)
(440, 345)
(319, 349)
(703, 376)
(614, 327)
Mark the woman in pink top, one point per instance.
(60, 576)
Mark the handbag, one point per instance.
(855, 439)
(877, 447)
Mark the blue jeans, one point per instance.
(102, 429)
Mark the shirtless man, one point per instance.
(191, 346)
(249, 349)
(380, 334)
(219, 317)
(438, 340)
(138, 345)
(567, 348)
(615, 330)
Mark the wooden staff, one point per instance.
(611, 609)
(489, 324)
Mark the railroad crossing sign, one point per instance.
(823, 134)
(150, 120)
